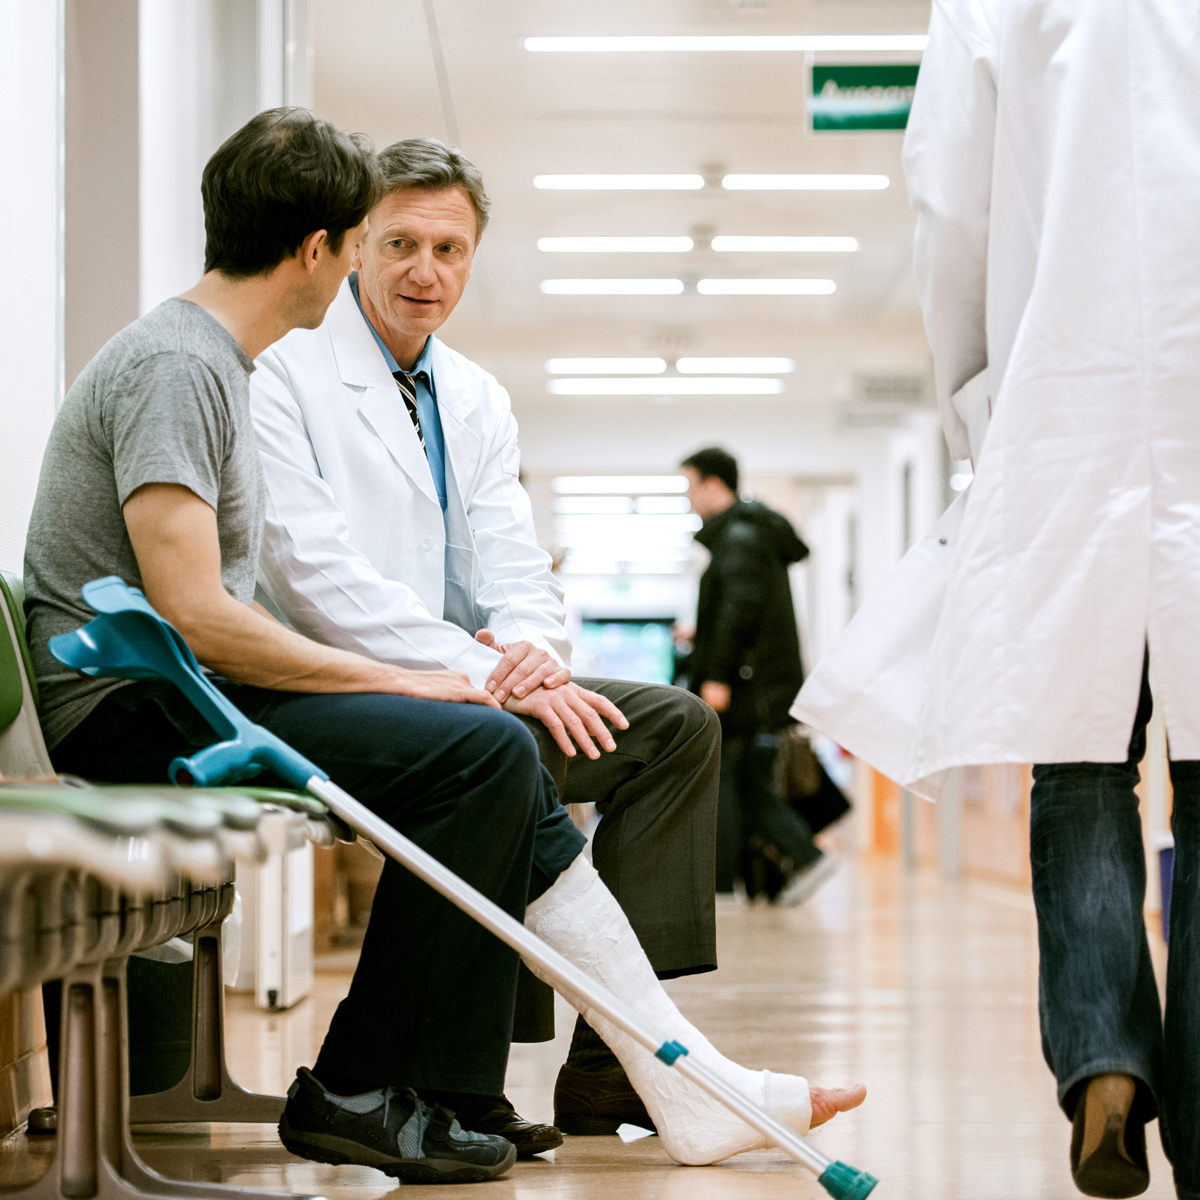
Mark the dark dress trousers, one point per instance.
(655, 846)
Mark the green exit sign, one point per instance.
(875, 96)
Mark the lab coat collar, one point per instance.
(359, 361)
(361, 366)
(424, 359)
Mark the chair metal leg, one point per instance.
(206, 1092)
(95, 1158)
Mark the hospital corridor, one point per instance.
(599, 601)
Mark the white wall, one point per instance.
(30, 320)
(205, 68)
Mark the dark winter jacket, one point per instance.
(745, 623)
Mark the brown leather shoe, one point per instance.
(1108, 1140)
(496, 1115)
(589, 1103)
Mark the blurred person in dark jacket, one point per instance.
(745, 663)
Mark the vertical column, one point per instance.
(908, 829)
(950, 827)
(101, 175)
(31, 285)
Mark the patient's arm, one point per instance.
(174, 536)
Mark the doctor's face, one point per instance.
(415, 261)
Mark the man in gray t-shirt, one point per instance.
(152, 474)
(166, 401)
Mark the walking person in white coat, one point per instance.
(1053, 157)
(397, 526)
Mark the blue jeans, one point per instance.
(431, 1002)
(1097, 997)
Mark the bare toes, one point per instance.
(828, 1102)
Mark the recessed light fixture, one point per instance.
(628, 485)
(805, 183)
(598, 504)
(619, 183)
(606, 366)
(863, 43)
(731, 366)
(612, 287)
(785, 245)
(638, 527)
(766, 287)
(614, 245)
(668, 385)
(662, 504)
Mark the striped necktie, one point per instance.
(408, 389)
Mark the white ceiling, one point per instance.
(519, 114)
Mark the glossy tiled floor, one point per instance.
(924, 990)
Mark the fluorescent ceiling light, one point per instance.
(662, 504)
(805, 183)
(766, 287)
(619, 183)
(623, 543)
(731, 366)
(731, 43)
(597, 504)
(612, 287)
(590, 566)
(649, 526)
(605, 485)
(606, 366)
(656, 568)
(614, 245)
(786, 245)
(668, 385)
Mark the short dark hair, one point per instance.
(713, 461)
(428, 163)
(285, 174)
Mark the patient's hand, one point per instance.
(523, 667)
(453, 686)
(570, 711)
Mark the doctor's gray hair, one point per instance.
(429, 163)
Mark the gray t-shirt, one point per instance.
(166, 401)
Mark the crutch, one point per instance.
(129, 640)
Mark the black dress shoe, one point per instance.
(1116, 1165)
(594, 1103)
(42, 1121)
(495, 1115)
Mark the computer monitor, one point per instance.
(637, 648)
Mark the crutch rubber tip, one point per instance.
(844, 1182)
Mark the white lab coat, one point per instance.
(1053, 157)
(355, 547)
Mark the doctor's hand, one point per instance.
(523, 667)
(569, 711)
(454, 686)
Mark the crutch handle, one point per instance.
(129, 640)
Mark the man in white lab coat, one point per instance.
(1053, 157)
(397, 527)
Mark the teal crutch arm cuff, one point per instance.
(844, 1182)
(129, 640)
(670, 1051)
